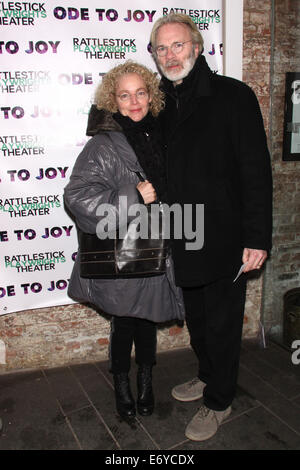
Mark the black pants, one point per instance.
(125, 332)
(214, 318)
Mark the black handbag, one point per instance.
(125, 257)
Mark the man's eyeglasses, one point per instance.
(140, 95)
(176, 48)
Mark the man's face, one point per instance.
(176, 66)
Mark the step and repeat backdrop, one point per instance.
(52, 57)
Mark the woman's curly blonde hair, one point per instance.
(105, 92)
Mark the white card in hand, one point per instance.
(240, 271)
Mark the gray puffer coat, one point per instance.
(104, 171)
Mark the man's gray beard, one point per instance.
(187, 67)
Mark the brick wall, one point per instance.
(68, 334)
(256, 73)
(76, 333)
(283, 269)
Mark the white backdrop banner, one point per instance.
(52, 58)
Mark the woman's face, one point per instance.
(132, 96)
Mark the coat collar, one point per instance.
(197, 82)
(182, 100)
(100, 120)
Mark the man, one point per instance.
(217, 156)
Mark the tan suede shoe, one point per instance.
(205, 423)
(189, 391)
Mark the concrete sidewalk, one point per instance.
(73, 407)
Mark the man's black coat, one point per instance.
(217, 155)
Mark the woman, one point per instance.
(125, 141)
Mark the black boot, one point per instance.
(145, 401)
(124, 400)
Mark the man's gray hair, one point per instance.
(177, 18)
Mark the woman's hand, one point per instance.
(147, 191)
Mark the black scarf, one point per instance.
(145, 139)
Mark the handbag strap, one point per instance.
(139, 174)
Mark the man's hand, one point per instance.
(254, 258)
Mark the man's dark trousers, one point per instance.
(214, 318)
